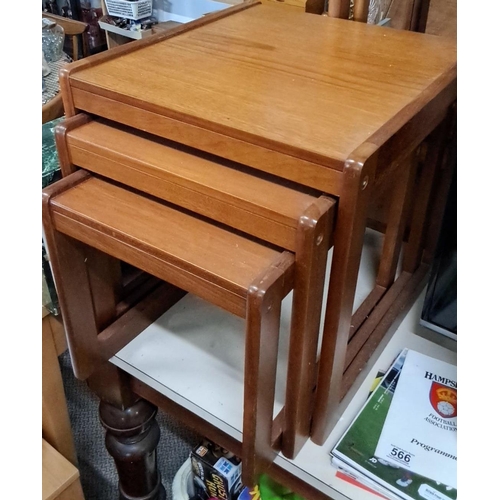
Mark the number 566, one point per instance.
(401, 455)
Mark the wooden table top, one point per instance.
(315, 86)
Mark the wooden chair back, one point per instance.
(73, 29)
(342, 9)
(405, 14)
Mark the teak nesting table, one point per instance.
(225, 158)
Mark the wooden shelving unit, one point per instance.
(180, 13)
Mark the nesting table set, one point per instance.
(226, 159)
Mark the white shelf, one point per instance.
(135, 35)
(178, 11)
(312, 464)
(193, 354)
(183, 11)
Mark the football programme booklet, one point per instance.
(354, 454)
(420, 431)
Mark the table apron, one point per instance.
(314, 175)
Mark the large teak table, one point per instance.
(359, 113)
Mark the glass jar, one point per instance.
(52, 40)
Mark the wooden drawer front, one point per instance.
(282, 164)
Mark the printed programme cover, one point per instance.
(354, 454)
(420, 431)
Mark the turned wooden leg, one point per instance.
(132, 435)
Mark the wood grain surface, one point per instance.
(58, 476)
(223, 191)
(253, 76)
(159, 231)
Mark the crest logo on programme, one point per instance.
(443, 400)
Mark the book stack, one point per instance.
(403, 442)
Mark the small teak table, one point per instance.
(362, 115)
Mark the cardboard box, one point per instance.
(216, 472)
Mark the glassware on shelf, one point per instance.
(52, 40)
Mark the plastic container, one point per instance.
(138, 9)
(182, 486)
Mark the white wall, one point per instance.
(184, 10)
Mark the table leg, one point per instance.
(348, 241)
(263, 315)
(132, 434)
(420, 217)
(313, 242)
(348, 244)
(396, 222)
(365, 319)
